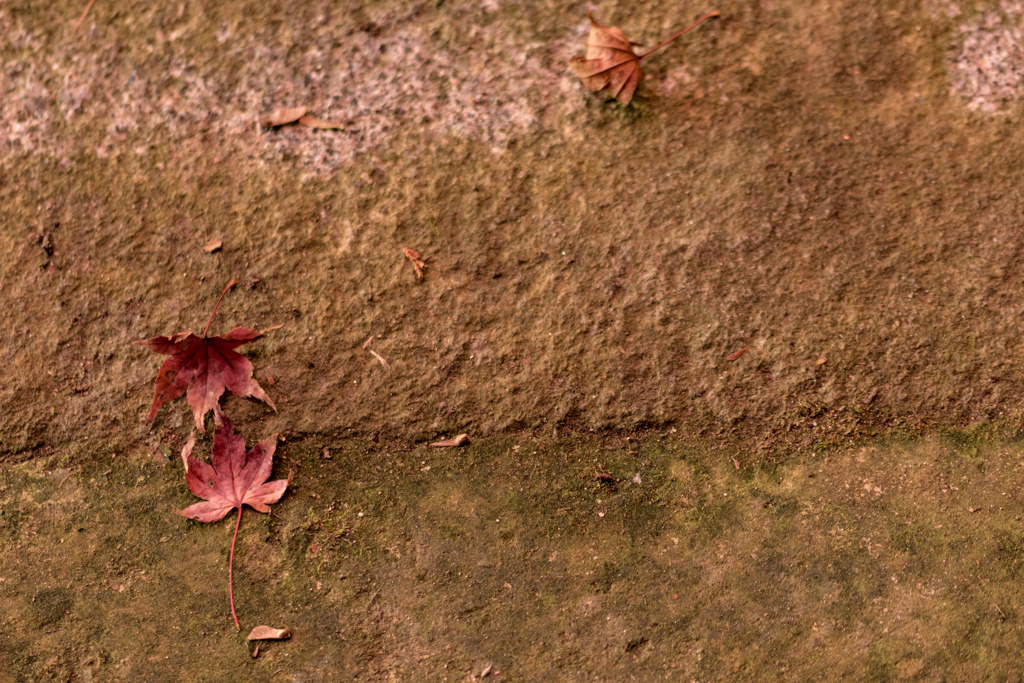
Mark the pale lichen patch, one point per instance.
(987, 68)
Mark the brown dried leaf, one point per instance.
(311, 122)
(736, 354)
(281, 117)
(611, 63)
(414, 256)
(380, 358)
(213, 245)
(460, 440)
(270, 633)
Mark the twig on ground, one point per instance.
(78, 24)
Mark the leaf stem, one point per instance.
(216, 305)
(231, 564)
(692, 26)
(78, 23)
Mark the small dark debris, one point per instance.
(606, 480)
(371, 28)
(636, 644)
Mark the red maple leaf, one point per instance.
(231, 479)
(205, 367)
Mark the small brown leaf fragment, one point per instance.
(736, 354)
(270, 633)
(460, 440)
(312, 122)
(256, 652)
(281, 117)
(380, 358)
(187, 449)
(821, 361)
(212, 246)
(611, 63)
(415, 257)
